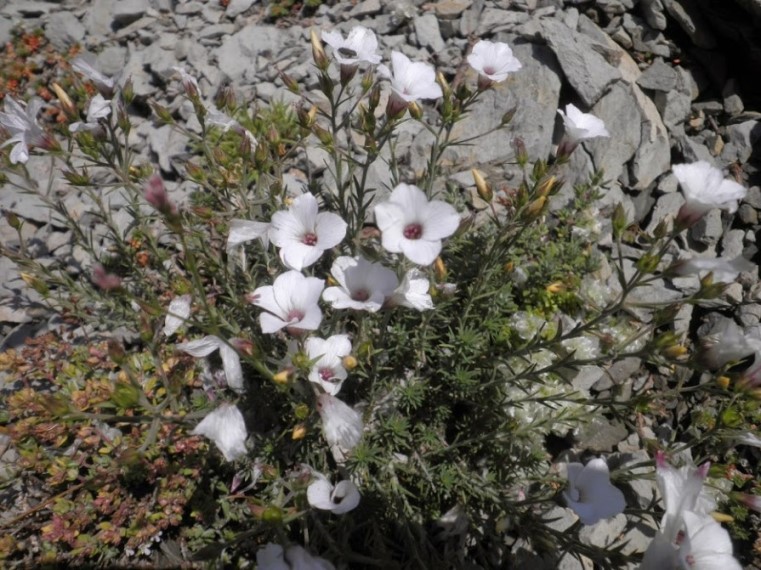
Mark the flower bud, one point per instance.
(318, 52)
(676, 351)
(484, 190)
(127, 92)
(162, 113)
(620, 222)
(508, 117)
(323, 135)
(648, 263)
(126, 395)
(283, 376)
(396, 106)
(521, 155)
(13, 220)
(244, 346)
(302, 412)
(535, 208)
(349, 362)
(723, 382)
(416, 112)
(556, 287)
(721, 517)
(35, 283)
(66, 103)
(444, 84)
(547, 186)
(347, 73)
(272, 514)
(289, 82)
(299, 432)
(156, 195)
(439, 269)
(753, 502)
(105, 281)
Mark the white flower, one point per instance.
(726, 343)
(681, 490)
(590, 493)
(411, 80)
(217, 118)
(707, 545)
(227, 429)
(341, 425)
(581, 126)
(291, 302)
(21, 124)
(705, 188)
(413, 292)
(104, 83)
(359, 45)
(340, 499)
(242, 231)
(414, 226)
(328, 370)
(364, 286)
(99, 108)
(178, 313)
(494, 60)
(724, 270)
(749, 438)
(272, 557)
(302, 234)
(230, 359)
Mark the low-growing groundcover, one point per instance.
(351, 376)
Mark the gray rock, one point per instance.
(673, 106)
(644, 38)
(600, 435)
(428, 34)
(709, 228)
(732, 244)
(733, 105)
(189, 8)
(748, 215)
(365, 8)
(660, 76)
(141, 81)
(98, 18)
(688, 16)
(237, 54)
(493, 20)
(237, 7)
(6, 25)
(471, 18)
(742, 138)
(619, 109)
(586, 70)
(604, 533)
(691, 149)
(127, 11)
(166, 142)
(654, 15)
(64, 30)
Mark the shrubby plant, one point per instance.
(352, 376)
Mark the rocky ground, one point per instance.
(674, 80)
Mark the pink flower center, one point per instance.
(489, 70)
(360, 295)
(326, 374)
(309, 239)
(294, 315)
(413, 231)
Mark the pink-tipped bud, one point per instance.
(660, 460)
(156, 195)
(105, 281)
(702, 471)
(753, 502)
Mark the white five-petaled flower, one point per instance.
(414, 226)
(579, 127)
(328, 370)
(411, 80)
(338, 499)
(590, 493)
(360, 45)
(290, 302)
(724, 270)
(177, 314)
(21, 124)
(104, 83)
(99, 108)
(272, 557)
(227, 429)
(230, 359)
(705, 188)
(341, 425)
(493, 60)
(727, 343)
(363, 285)
(413, 292)
(302, 234)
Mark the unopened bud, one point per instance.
(13, 220)
(283, 376)
(535, 208)
(444, 84)
(374, 99)
(244, 346)
(416, 111)
(440, 270)
(721, 517)
(648, 263)
(556, 287)
(272, 514)
(676, 351)
(521, 155)
(35, 283)
(546, 186)
(195, 172)
(127, 92)
(66, 103)
(753, 502)
(289, 83)
(299, 432)
(723, 382)
(125, 395)
(156, 195)
(318, 52)
(620, 221)
(323, 135)
(368, 79)
(302, 411)
(225, 98)
(347, 73)
(508, 117)
(162, 113)
(349, 362)
(483, 189)
(396, 106)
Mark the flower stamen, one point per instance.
(413, 231)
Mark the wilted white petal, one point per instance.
(359, 45)
(242, 231)
(227, 429)
(177, 314)
(582, 126)
(341, 425)
(340, 499)
(413, 292)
